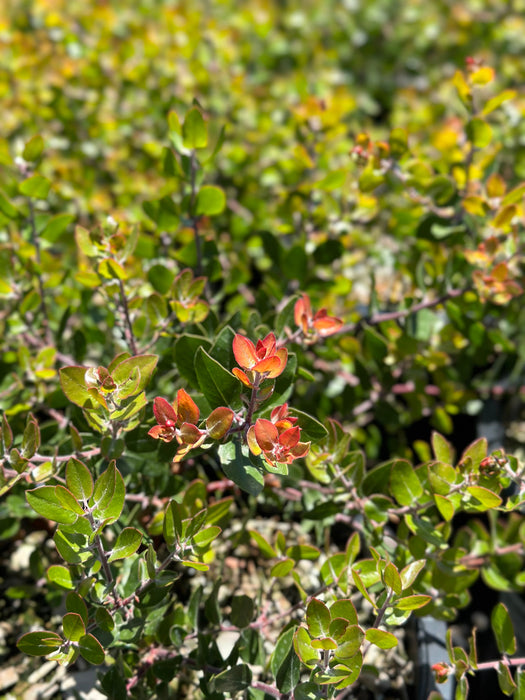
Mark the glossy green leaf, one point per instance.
(73, 382)
(318, 618)
(127, 544)
(237, 465)
(413, 602)
(91, 649)
(233, 680)
(39, 643)
(219, 386)
(172, 525)
(46, 503)
(75, 604)
(505, 679)
(205, 537)
(404, 483)
(266, 548)
(392, 579)
(411, 571)
(124, 371)
(108, 495)
(67, 500)
(285, 663)
(503, 629)
(104, 619)
(304, 649)
(61, 576)
(381, 638)
(311, 428)
(488, 499)
(350, 643)
(74, 627)
(345, 609)
(443, 450)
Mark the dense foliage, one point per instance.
(261, 273)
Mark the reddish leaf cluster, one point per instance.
(278, 439)
(261, 361)
(318, 324)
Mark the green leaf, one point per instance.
(233, 680)
(285, 663)
(194, 130)
(325, 643)
(61, 576)
(318, 618)
(35, 186)
(519, 679)
(404, 483)
(311, 428)
(56, 226)
(74, 627)
(242, 611)
(39, 643)
(350, 643)
(488, 499)
(381, 638)
(108, 495)
(205, 537)
(66, 499)
(91, 649)
(104, 620)
(75, 604)
(411, 571)
(237, 465)
(125, 370)
(72, 380)
(211, 200)
(413, 602)
(45, 502)
(172, 526)
(219, 386)
(445, 506)
(392, 579)
(7, 208)
(33, 149)
(186, 348)
(345, 609)
(127, 544)
(443, 450)
(505, 680)
(503, 630)
(303, 648)
(303, 551)
(79, 480)
(266, 548)
(282, 568)
(479, 132)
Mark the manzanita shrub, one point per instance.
(208, 418)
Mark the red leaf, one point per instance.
(163, 411)
(266, 433)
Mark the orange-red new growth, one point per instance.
(177, 420)
(318, 324)
(264, 358)
(278, 439)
